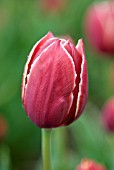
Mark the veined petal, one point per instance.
(32, 55)
(48, 96)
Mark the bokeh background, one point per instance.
(22, 23)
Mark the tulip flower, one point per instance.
(54, 86)
(88, 164)
(108, 115)
(99, 26)
(55, 82)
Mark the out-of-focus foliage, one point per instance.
(22, 23)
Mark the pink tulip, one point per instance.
(88, 164)
(108, 115)
(99, 25)
(55, 82)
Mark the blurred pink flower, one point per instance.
(3, 128)
(108, 115)
(55, 82)
(87, 164)
(99, 26)
(53, 5)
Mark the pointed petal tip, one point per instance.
(80, 47)
(80, 43)
(50, 34)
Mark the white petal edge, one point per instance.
(80, 84)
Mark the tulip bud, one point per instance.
(55, 82)
(108, 115)
(99, 25)
(88, 164)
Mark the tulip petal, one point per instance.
(31, 57)
(38, 46)
(49, 89)
(77, 58)
(83, 86)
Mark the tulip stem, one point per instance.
(46, 151)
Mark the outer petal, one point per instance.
(77, 58)
(33, 54)
(48, 96)
(83, 86)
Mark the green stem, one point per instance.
(46, 155)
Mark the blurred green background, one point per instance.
(22, 23)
